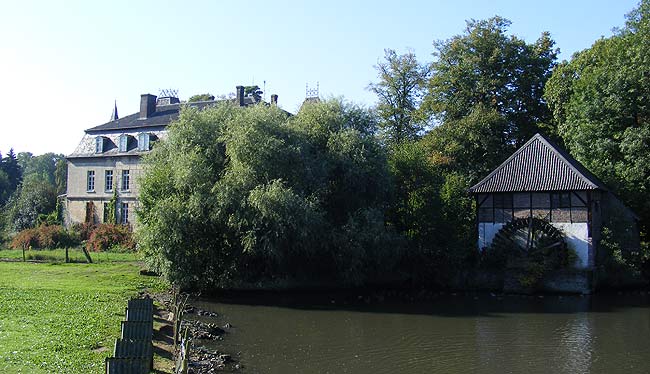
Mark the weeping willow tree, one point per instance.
(252, 195)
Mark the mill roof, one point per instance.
(539, 165)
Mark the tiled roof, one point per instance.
(539, 165)
(163, 116)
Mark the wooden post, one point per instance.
(67, 259)
(186, 353)
(24, 260)
(90, 260)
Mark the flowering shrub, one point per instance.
(108, 236)
(41, 237)
(25, 239)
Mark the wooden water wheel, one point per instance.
(530, 235)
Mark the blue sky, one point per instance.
(62, 64)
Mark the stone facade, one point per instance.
(106, 166)
(117, 168)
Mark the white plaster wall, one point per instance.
(486, 232)
(577, 238)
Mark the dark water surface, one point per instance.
(447, 334)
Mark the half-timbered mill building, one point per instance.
(105, 166)
(543, 181)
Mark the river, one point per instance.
(448, 333)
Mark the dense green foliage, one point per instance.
(248, 194)
(55, 318)
(484, 96)
(500, 73)
(29, 186)
(399, 90)
(43, 167)
(11, 175)
(601, 103)
(34, 197)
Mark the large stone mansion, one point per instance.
(104, 168)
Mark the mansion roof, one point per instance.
(163, 116)
(133, 135)
(539, 165)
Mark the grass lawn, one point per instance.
(58, 255)
(64, 318)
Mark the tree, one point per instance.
(13, 170)
(254, 92)
(239, 195)
(201, 97)
(472, 145)
(4, 187)
(399, 90)
(61, 176)
(34, 197)
(601, 103)
(485, 66)
(43, 166)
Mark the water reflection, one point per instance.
(575, 348)
(447, 335)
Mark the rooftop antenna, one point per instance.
(311, 92)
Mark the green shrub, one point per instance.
(82, 230)
(618, 264)
(50, 219)
(109, 236)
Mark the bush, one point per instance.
(25, 239)
(618, 264)
(82, 230)
(109, 236)
(42, 237)
(50, 219)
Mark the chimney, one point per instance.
(274, 99)
(240, 95)
(147, 105)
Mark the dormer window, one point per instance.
(143, 141)
(99, 144)
(124, 142)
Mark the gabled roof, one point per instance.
(539, 165)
